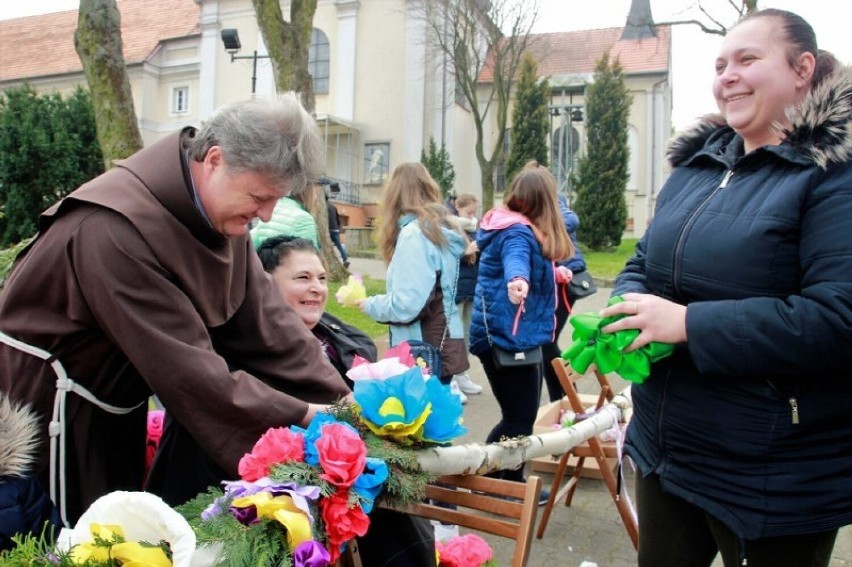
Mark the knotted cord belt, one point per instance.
(56, 427)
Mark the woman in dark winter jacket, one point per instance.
(25, 508)
(516, 295)
(743, 437)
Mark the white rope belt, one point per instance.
(56, 427)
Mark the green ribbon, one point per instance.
(606, 350)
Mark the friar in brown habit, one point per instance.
(144, 281)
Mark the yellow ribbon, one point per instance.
(284, 510)
(127, 553)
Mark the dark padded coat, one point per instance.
(25, 508)
(750, 419)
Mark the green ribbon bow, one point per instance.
(606, 350)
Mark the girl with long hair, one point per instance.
(515, 298)
(421, 246)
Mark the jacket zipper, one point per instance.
(794, 404)
(681, 239)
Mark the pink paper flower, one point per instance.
(468, 550)
(342, 454)
(155, 425)
(277, 445)
(342, 523)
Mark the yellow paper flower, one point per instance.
(348, 295)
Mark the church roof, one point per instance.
(43, 45)
(577, 52)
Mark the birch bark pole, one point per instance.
(481, 458)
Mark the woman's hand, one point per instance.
(563, 275)
(360, 303)
(518, 289)
(656, 318)
(471, 249)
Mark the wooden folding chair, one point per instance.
(593, 448)
(490, 505)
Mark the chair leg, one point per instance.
(612, 485)
(554, 491)
(575, 480)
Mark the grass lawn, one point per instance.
(609, 264)
(353, 315)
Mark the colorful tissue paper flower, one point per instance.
(353, 290)
(280, 508)
(369, 485)
(312, 434)
(342, 454)
(239, 489)
(342, 522)
(401, 352)
(468, 550)
(381, 370)
(311, 554)
(276, 446)
(606, 350)
(155, 433)
(397, 407)
(445, 422)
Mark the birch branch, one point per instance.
(481, 458)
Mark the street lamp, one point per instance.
(231, 40)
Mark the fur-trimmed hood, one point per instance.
(820, 132)
(19, 431)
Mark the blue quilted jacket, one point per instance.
(508, 249)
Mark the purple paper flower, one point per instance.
(311, 554)
(246, 516)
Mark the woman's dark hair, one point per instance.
(274, 249)
(801, 38)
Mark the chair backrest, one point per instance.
(490, 505)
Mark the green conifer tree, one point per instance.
(440, 167)
(530, 121)
(48, 147)
(603, 172)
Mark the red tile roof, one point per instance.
(577, 52)
(44, 45)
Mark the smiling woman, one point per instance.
(745, 269)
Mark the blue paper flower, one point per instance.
(445, 422)
(369, 485)
(396, 407)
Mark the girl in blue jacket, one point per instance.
(515, 298)
(743, 436)
(422, 247)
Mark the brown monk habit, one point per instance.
(133, 291)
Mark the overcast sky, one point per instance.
(693, 51)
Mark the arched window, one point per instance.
(319, 61)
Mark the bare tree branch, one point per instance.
(479, 39)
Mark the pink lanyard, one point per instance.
(517, 318)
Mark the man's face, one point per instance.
(233, 200)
